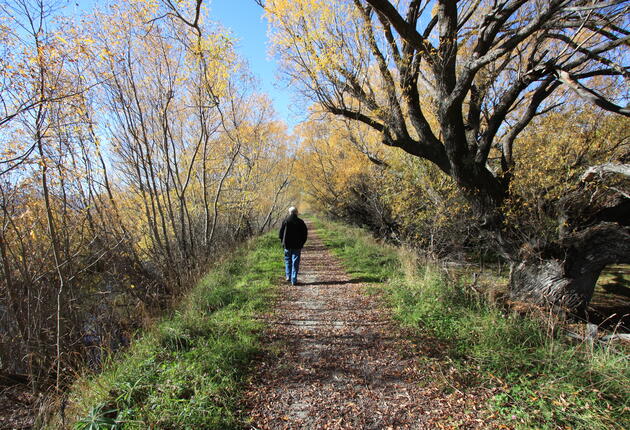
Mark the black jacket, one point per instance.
(293, 232)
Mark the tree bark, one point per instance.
(564, 274)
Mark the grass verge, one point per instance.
(364, 258)
(539, 380)
(187, 371)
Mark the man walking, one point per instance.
(293, 234)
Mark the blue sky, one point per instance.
(244, 19)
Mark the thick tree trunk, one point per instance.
(564, 274)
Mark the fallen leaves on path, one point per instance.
(335, 360)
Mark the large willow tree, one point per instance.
(481, 70)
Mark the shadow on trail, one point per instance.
(335, 359)
(341, 282)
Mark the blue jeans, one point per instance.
(292, 264)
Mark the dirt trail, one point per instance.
(341, 363)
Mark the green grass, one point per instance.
(365, 259)
(187, 372)
(618, 275)
(541, 381)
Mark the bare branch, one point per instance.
(593, 171)
(590, 95)
(407, 32)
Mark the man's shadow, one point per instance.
(359, 280)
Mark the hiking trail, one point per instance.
(336, 360)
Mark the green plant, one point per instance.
(101, 417)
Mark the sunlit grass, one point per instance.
(364, 258)
(543, 381)
(186, 372)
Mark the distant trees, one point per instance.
(457, 83)
(135, 149)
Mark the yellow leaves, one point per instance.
(551, 155)
(555, 149)
(323, 34)
(64, 41)
(129, 63)
(105, 53)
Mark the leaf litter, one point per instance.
(334, 359)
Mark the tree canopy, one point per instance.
(457, 83)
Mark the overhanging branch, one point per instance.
(590, 95)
